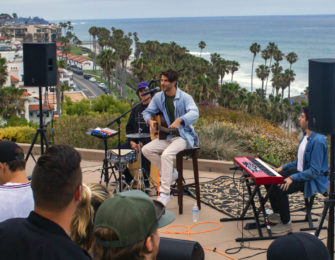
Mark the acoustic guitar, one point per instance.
(162, 130)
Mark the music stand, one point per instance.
(40, 131)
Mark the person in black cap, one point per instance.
(136, 125)
(16, 197)
(44, 234)
(126, 226)
(297, 246)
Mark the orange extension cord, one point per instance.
(188, 229)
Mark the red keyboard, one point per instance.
(259, 170)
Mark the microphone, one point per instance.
(151, 91)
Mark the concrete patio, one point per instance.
(221, 239)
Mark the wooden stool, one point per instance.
(193, 152)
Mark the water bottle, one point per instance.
(195, 213)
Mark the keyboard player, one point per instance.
(306, 174)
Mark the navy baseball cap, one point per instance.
(295, 246)
(140, 85)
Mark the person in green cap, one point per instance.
(126, 226)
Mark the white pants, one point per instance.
(161, 153)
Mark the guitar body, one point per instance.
(163, 129)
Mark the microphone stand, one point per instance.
(118, 121)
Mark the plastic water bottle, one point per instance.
(195, 213)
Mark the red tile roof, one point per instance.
(14, 79)
(73, 57)
(37, 107)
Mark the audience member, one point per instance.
(126, 227)
(297, 246)
(56, 184)
(81, 228)
(16, 197)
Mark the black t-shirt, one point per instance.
(136, 121)
(37, 238)
(169, 105)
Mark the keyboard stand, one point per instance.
(251, 202)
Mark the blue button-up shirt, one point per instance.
(314, 166)
(185, 108)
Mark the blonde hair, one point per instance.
(81, 228)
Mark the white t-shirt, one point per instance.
(301, 152)
(16, 200)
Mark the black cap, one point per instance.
(296, 246)
(10, 151)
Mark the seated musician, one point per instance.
(306, 174)
(180, 112)
(134, 124)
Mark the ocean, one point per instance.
(308, 36)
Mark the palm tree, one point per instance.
(262, 72)
(94, 32)
(107, 61)
(291, 58)
(277, 80)
(288, 78)
(271, 49)
(64, 87)
(3, 71)
(103, 35)
(202, 45)
(254, 48)
(11, 101)
(222, 69)
(232, 67)
(215, 58)
(276, 69)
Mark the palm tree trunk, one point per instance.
(266, 84)
(252, 72)
(289, 85)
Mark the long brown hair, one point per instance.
(136, 251)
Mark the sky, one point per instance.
(115, 9)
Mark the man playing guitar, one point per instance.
(180, 112)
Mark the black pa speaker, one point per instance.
(322, 96)
(177, 249)
(39, 64)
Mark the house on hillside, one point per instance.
(75, 60)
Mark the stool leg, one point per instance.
(196, 176)
(179, 162)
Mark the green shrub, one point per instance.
(72, 130)
(14, 120)
(20, 134)
(219, 142)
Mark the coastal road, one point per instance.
(90, 89)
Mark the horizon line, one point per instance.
(179, 17)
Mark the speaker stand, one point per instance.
(40, 131)
(329, 203)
